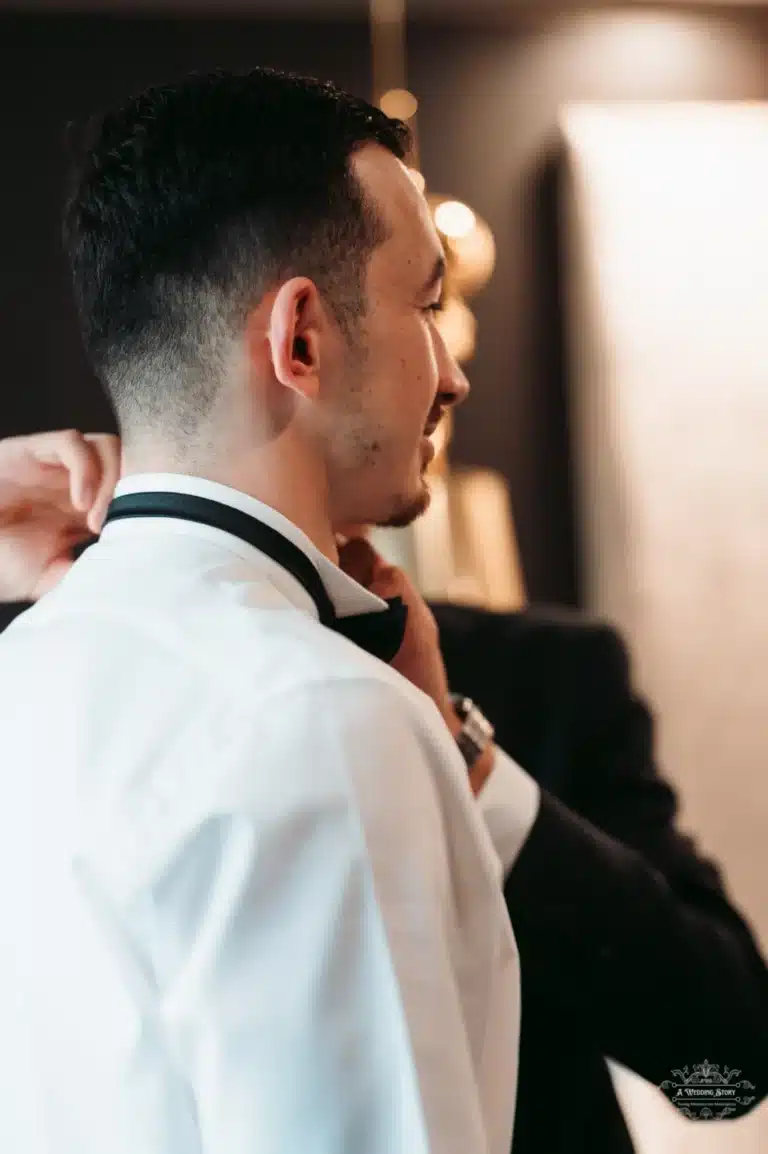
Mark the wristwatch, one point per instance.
(476, 732)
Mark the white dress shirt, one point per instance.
(249, 904)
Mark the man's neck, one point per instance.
(295, 491)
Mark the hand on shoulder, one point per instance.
(54, 492)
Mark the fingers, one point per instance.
(68, 448)
(353, 530)
(37, 460)
(359, 560)
(107, 449)
(92, 464)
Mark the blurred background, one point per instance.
(600, 177)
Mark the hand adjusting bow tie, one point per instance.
(380, 632)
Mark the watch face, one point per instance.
(463, 706)
(476, 731)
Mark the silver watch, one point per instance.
(476, 732)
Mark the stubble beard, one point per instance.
(410, 511)
(366, 448)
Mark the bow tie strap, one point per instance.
(380, 632)
(244, 526)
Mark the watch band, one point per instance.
(476, 732)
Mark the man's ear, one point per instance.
(295, 325)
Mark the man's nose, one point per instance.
(454, 384)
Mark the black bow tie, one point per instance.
(380, 632)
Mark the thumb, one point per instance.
(358, 559)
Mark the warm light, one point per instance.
(399, 103)
(474, 256)
(417, 178)
(471, 253)
(708, 185)
(457, 326)
(454, 219)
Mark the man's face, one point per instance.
(399, 376)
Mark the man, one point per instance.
(249, 902)
(630, 946)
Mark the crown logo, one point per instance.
(707, 1074)
(704, 1091)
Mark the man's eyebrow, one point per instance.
(437, 274)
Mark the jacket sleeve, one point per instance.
(620, 910)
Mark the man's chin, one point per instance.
(408, 512)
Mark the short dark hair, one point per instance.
(189, 202)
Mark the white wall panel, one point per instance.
(667, 221)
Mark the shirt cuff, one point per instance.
(509, 803)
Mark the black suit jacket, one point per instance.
(629, 945)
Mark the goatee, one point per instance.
(409, 513)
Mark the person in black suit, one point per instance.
(630, 947)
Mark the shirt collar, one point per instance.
(348, 596)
